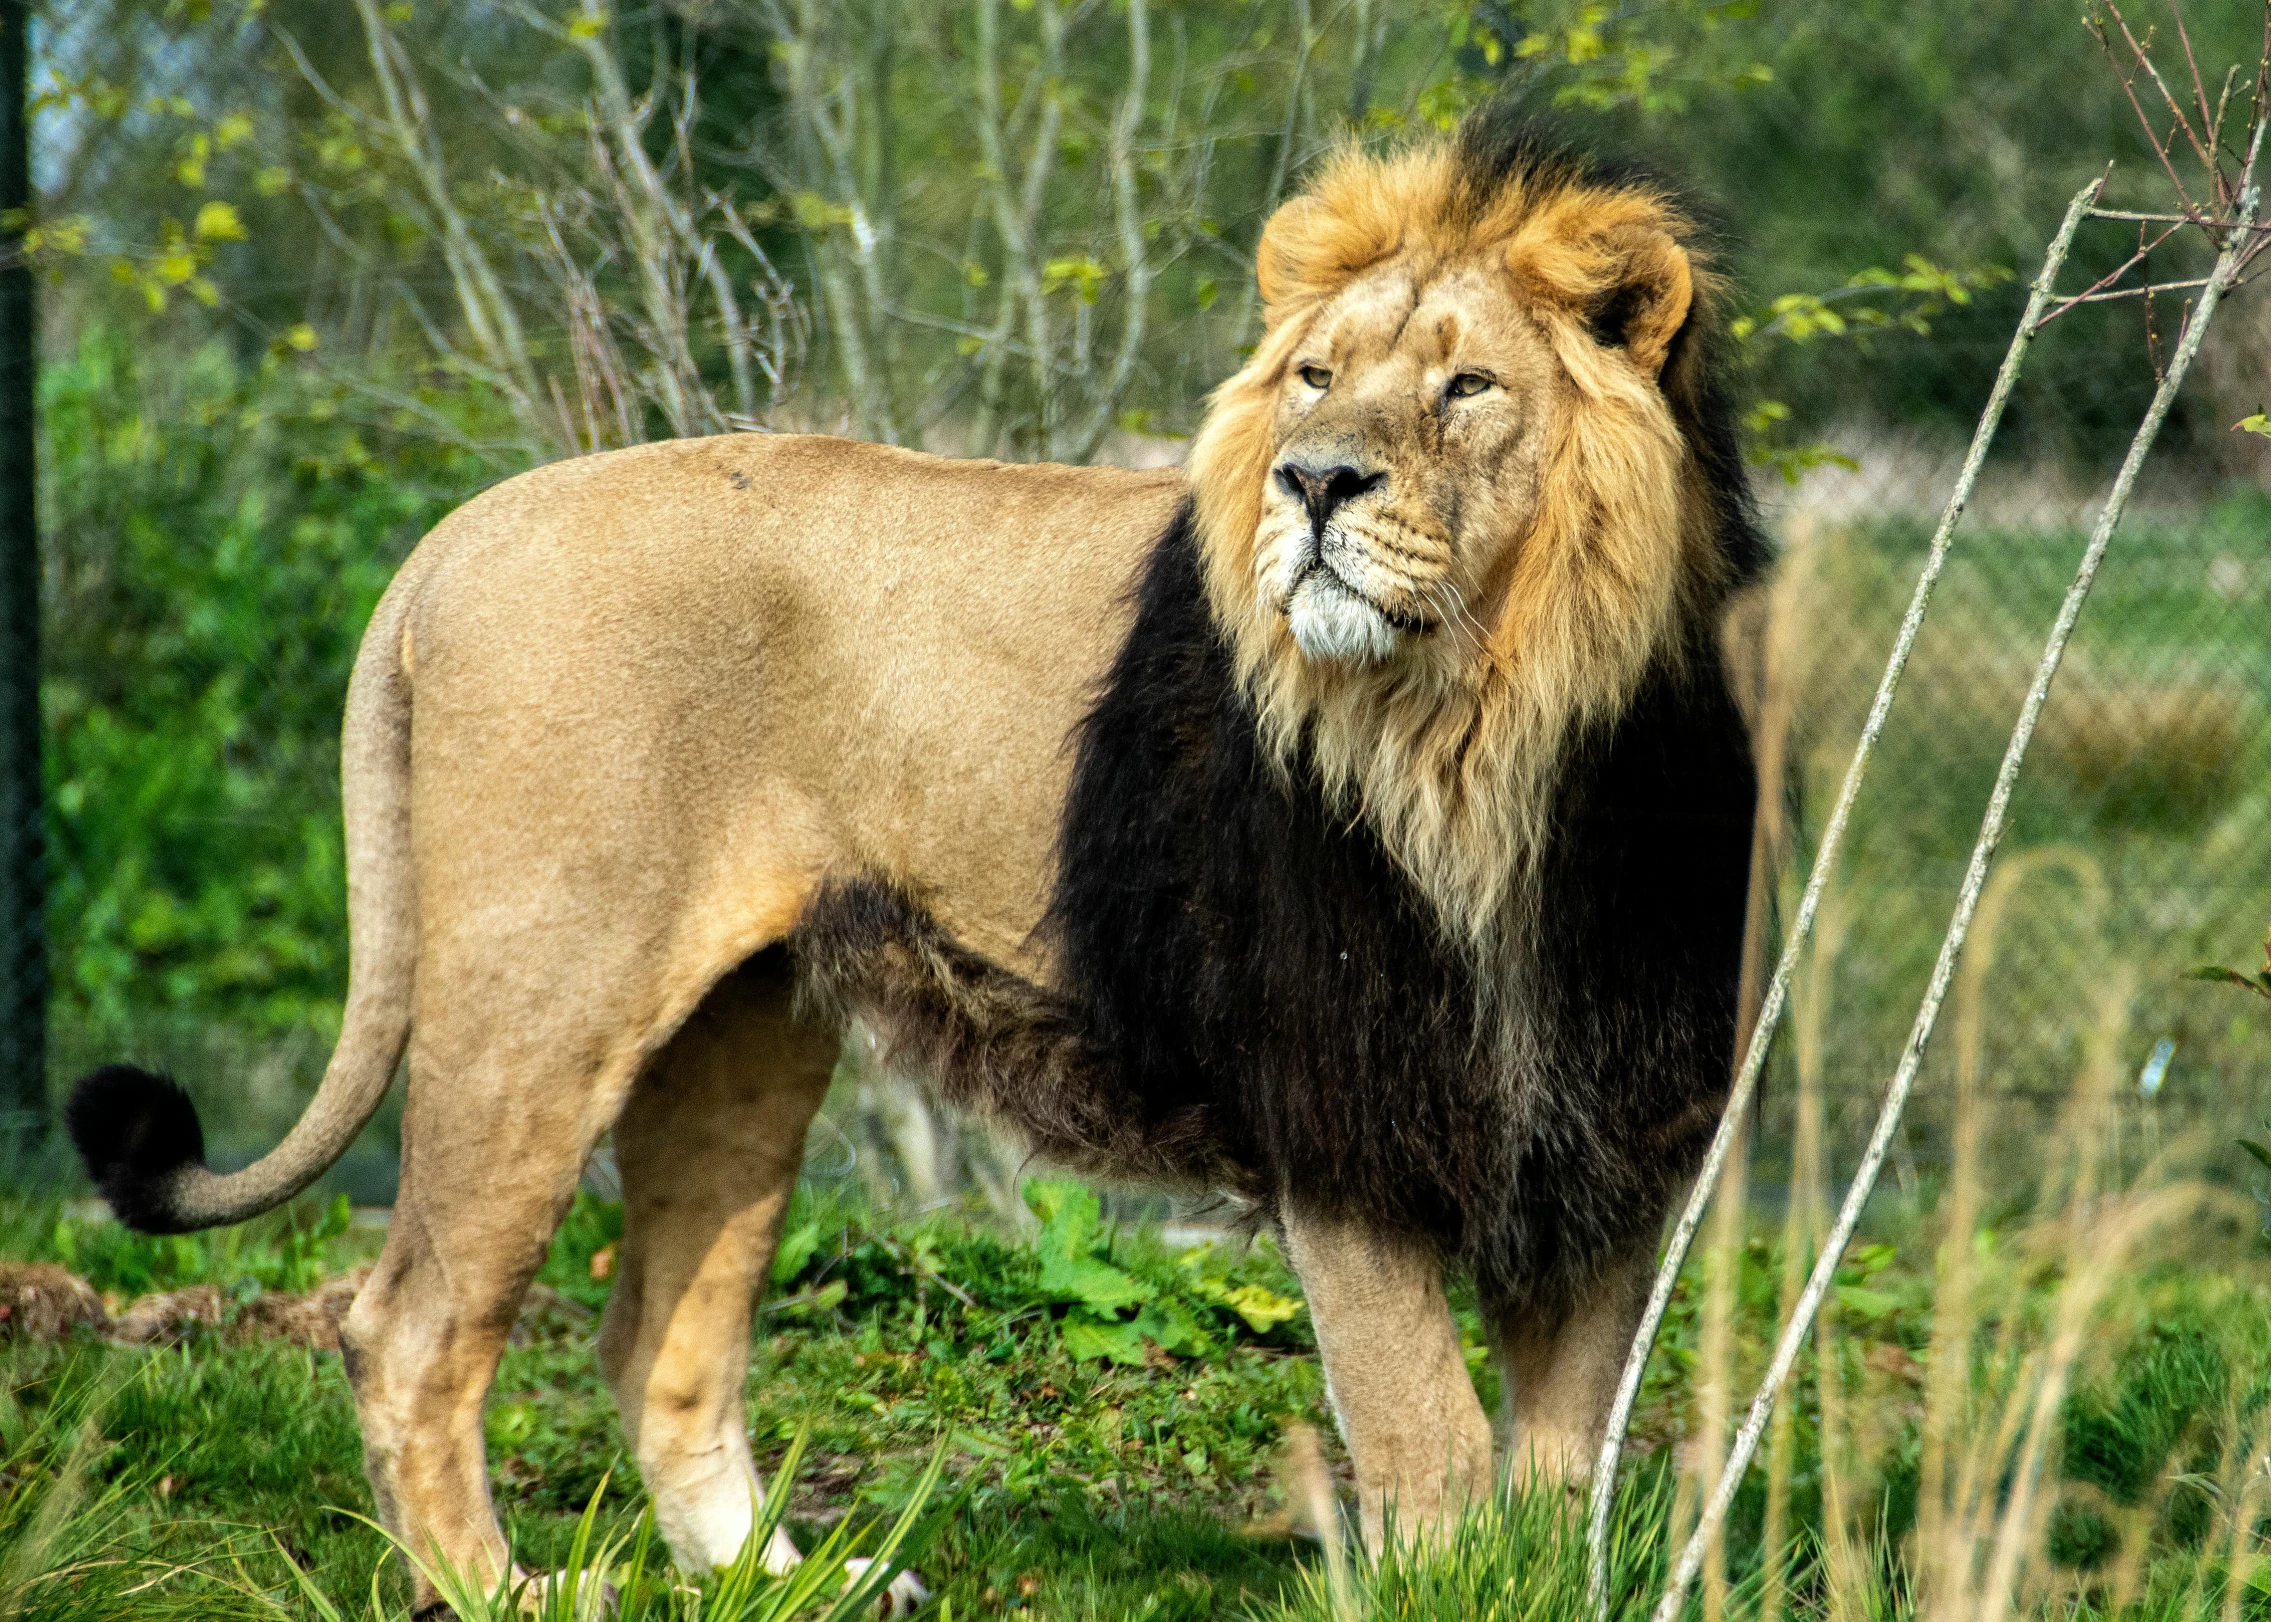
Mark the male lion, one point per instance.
(1359, 824)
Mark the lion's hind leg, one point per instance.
(709, 1145)
(500, 1116)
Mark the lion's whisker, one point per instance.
(1460, 617)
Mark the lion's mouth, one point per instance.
(1318, 570)
(1335, 622)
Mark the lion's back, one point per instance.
(875, 653)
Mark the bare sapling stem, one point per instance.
(2229, 262)
(1825, 863)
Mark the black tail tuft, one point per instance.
(137, 1133)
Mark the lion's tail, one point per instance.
(138, 1132)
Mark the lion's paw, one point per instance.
(595, 1597)
(906, 1595)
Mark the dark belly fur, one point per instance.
(1252, 996)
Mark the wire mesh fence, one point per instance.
(2141, 835)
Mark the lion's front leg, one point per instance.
(1397, 1385)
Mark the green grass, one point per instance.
(1090, 1487)
(1085, 1478)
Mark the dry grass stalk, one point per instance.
(1803, 1217)
(2245, 1495)
(1309, 1492)
(1954, 1318)
(1715, 1385)
(1765, 650)
(1770, 656)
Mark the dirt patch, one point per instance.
(40, 1301)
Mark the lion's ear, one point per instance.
(1282, 257)
(1310, 249)
(1631, 285)
(1649, 302)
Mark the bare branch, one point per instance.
(1126, 213)
(2160, 145)
(2178, 219)
(489, 313)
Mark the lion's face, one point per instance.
(1411, 425)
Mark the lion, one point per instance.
(1357, 823)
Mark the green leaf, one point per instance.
(1096, 1285)
(2257, 423)
(1174, 1327)
(1262, 1309)
(1863, 1303)
(1072, 1218)
(2216, 974)
(219, 222)
(2261, 1152)
(1089, 1342)
(794, 1250)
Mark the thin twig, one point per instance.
(2146, 291)
(1825, 862)
(2128, 88)
(2201, 220)
(1129, 220)
(2144, 250)
(2152, 71)
(2209, 119)
(1967, 900)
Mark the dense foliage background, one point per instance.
(316, 271)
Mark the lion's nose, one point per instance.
(1322, 489)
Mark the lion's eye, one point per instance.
(1316, 377)
(1466, 385)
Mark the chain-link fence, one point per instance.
(2140, 843)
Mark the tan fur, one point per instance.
(1559, 1374)
(708, 1145)
(1395, 1378)
(618, 721)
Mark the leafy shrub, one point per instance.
(1107, 1297)
(218, 533)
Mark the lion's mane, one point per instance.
(1455, 761)
(1457, 960)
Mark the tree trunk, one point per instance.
(23, 876)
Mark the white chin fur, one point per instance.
(1332, 624)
